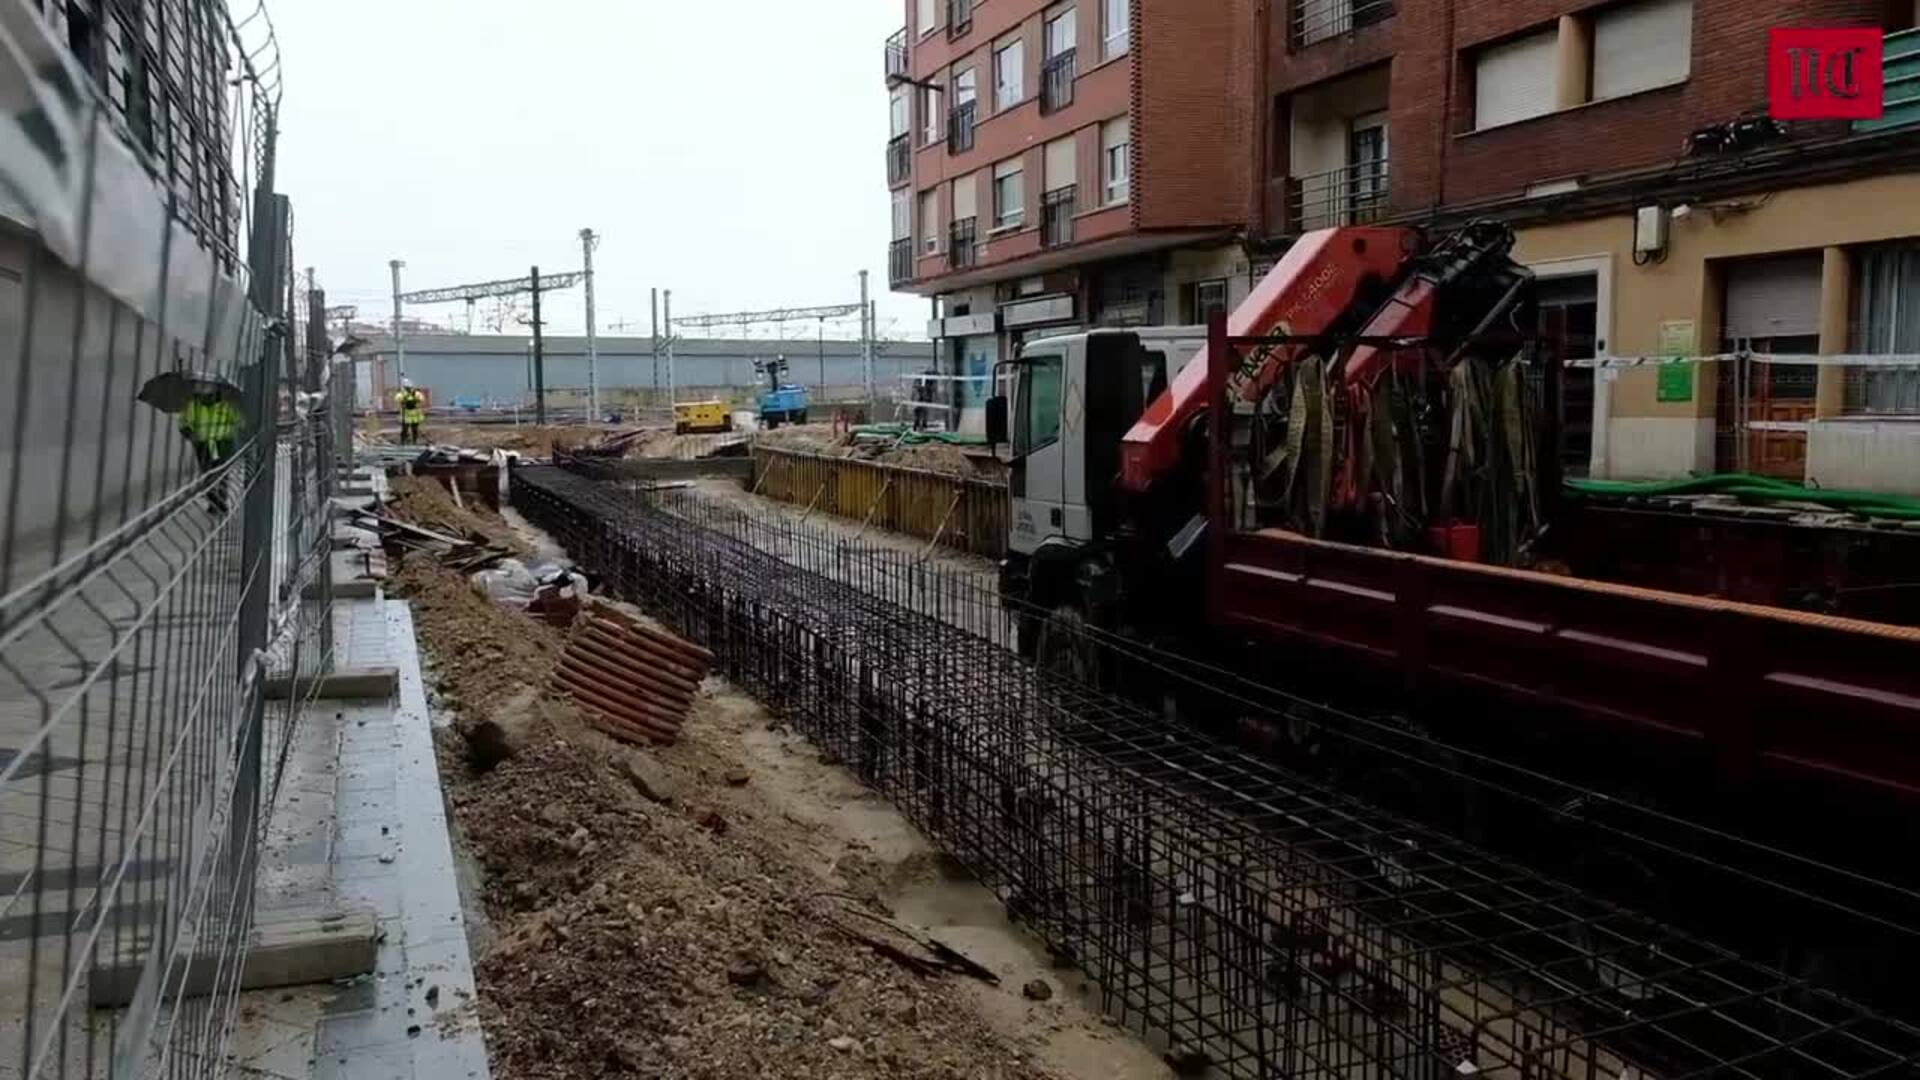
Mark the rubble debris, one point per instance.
(632, 681)
(910, 948)
(553, 592)
(653, 783)
(738, 777)
(1037, 990)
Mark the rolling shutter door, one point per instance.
(1062, 166)
(1639, 47)
(1775, 297)
(966, 197)
(1516, 80)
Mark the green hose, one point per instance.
(1751, 488)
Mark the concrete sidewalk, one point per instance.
(361, 826)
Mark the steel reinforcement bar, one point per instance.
(1255, 922)
(962, 513)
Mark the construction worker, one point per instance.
(212, 424)
(413, 412)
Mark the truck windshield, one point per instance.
(1039, 398)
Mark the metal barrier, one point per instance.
(1262, 923)
(957, 512)
(149, 585)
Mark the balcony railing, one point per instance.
(1354, 195)
(900, 261)
(960, 127)
(1057, 208)
(960, 244)
(899, 158)
(1318, 20)
(1056, 82)
(896, 57)
(959, 18)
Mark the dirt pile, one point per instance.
(657, 913)
(529, 439)
(429, 504)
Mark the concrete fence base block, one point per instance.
(346, 684)
(297, 947)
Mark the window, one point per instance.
(1886, 319)
(1641, 46)
(1116, 157)
(1570, 305)
(932, 102)
(1009, 194)
(1061, 164)
(964, 87)
(1205, 300)
(927, 14)
(902, 219)
(966, 198)
(1009, 71)
(1039, 426)
(1062, 32)
(898, 112)
(1515, 81)
(1116, 27)
(930, 222)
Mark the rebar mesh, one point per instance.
(1255, 920)
(150, 597)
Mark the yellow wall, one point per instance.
(1686, 285)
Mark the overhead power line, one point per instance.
(488, 289)
(775, 315)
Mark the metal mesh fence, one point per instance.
(162, 571)
(1260, 922)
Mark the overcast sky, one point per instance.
(732, 150)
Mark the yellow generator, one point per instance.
(701, 417)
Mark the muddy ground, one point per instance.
(683, 911)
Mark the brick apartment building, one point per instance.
(1066, 164)
(1626, 141)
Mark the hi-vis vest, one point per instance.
(210, 422)
(412, 407)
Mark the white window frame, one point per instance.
(927, 14)
(1069, 15)
(1115, 191)
(1116, 40)
(1009, 92)
(933, 102)
(969, 93)
(1601, 267)
(903, 214)
(1001, 218)
(899, 113)
(929, 225)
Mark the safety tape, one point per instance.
(1869, 360)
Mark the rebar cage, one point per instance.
(1256, 921)
(152, 597)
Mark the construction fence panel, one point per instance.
(152, 584)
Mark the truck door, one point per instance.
(1038, 488)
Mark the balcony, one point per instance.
(961, 249)
(1056, 82)
(960, 127)
(1354, 195)
(959, 18)
(897, 58)
(1318, 20)
(1057, 208)
(899, 159)
(900, 262)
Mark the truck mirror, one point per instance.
(996, 420)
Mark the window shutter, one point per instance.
(1773, 297)
(1516, 80)
(902, 209)
(1116, 132)
(1642, 46)
(1062, 166)
(966, 197)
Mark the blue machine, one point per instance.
(783, 403)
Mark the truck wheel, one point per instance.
(1065, 649)
(800, 417)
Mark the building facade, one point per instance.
(1628, 143)
(1666, 215)
(1055, 165)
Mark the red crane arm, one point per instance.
(1318, 281)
